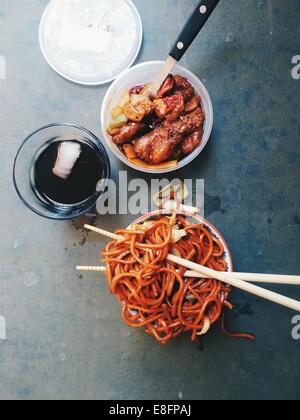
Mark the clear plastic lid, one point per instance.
(90, 41)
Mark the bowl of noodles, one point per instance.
(157, 295)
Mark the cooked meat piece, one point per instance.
(187, 94)
(182, 82)
(178, 154)
(193, 104)
(184, 87)
(191, 142)
(166, 87)
(170, 107)
(127, 133)
(187, 124)
(157, 146)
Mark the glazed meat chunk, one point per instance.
(127, 133)
(169, 108)
(166, 87)
(157, 146)
(193, 104)
(187, 124)
(191, 142)
(184, 87)
(168, 127)
(182, 82)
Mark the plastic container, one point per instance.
(143, 74)
(90, 42)
(24, 165)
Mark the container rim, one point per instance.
(74, 80)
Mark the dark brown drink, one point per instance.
(80, 185)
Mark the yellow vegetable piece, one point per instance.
(125, 98)
(134, 113)
(129, 151)
(116, 112)
(113, 132)
(118, 122)
(165, 165)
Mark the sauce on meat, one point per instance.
(172, 126)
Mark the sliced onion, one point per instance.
(206, 327)
(142, 228)
(178, 234)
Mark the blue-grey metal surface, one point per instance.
(65, 337)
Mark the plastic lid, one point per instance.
(90, 41)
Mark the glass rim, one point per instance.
(93, 198)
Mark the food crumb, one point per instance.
(84, 220)
(62, 357)
(82, 240)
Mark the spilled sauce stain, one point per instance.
(89, 219)
(82, 240)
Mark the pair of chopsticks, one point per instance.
(238, 280)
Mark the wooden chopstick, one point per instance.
(238, 283)
(221, 276)
(102, 232)
(255, 278)
(249, 277)
(91, 269)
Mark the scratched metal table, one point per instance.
(64, 335)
